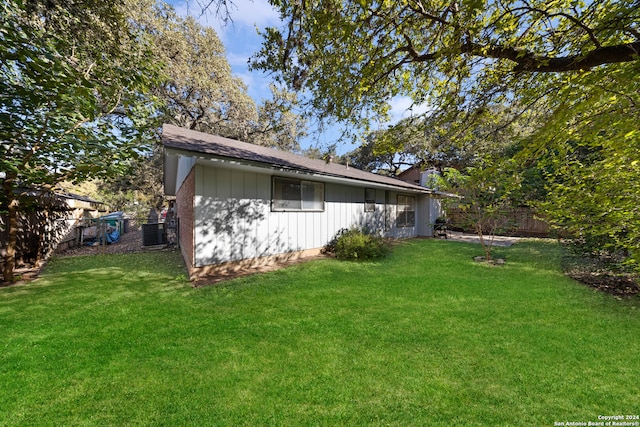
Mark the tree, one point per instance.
(354, 56)
(366, 157)
(278, 125)
(484, 200)
(591, 163)
(200, 91)
(434, 143)
(389, 150)
(74, 98)
(140, 188)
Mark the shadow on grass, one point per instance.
(159, 262)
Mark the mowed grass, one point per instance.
(424, 337)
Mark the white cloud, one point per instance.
(245, 15)
(256, 13)
(238, 35)
(403, 107)
(236, 59)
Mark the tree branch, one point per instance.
(529, 62)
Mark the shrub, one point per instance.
(357, 244)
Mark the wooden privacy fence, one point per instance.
(522, 222)
(46, 221)
(39, 231)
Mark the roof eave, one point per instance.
(234, 163)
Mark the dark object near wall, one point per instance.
(153, 234)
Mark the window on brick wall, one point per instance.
(296, 195)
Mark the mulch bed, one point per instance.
(617, 285)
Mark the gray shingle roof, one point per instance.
(197, 142)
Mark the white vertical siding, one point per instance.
(375, 221)
(344, 208)
(263, 206)
(185, 164)
(234, 220)
(423, 217)
(391, 217)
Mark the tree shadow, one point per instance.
(235, 230)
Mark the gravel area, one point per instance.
(503, 241)
(128, 243)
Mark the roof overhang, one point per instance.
(172, 156)
(171, 159)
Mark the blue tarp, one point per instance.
(113, 236)
(107, 230)
(114, 220)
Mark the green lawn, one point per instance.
(425, 337)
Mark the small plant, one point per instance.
(357, 244)
(181, 278)
(483, 201)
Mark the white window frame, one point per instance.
(406, 214)
(292, 195)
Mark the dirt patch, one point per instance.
(617, 285)
(501, 241)
(129, 242)
(602, 270)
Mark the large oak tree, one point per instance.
(354, 56)
(199, 91)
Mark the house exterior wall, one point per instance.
(185, 209)
(185, 166)
(233, 219)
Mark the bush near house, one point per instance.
(357, 244)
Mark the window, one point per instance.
(406, 212)
(369, 199)
(296, 195)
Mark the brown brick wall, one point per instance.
(185, 198)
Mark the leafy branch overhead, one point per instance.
(353, 56)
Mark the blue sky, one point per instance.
(241, 41)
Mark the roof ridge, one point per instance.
(215, 145)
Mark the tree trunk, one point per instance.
(12, 231)
(42, 233)
(487, 248)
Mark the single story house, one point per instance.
(243, 205)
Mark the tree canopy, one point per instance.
(354, 56)
(199, 89)
(75, 97)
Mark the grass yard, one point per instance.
(425, 337)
